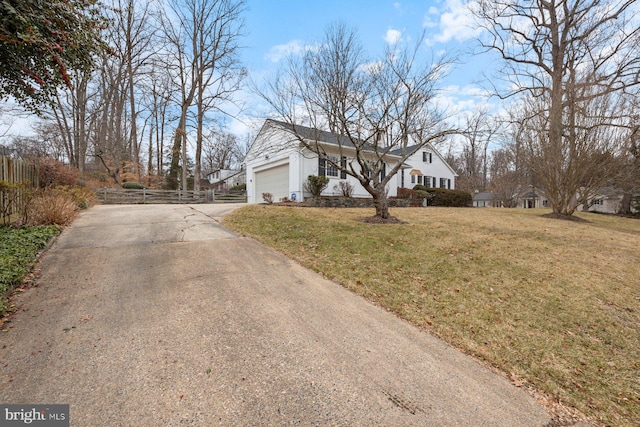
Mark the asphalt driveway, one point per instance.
(159, 316)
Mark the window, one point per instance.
(413, 179)
(427, 157)
(427, 181)
(443, 182)
(343, 165)
(383, 171)
(325, 168)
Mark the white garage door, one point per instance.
(274, 181)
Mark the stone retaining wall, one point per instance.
(351, 202)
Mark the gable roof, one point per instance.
(312, 133)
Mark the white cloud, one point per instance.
(456, 22)
(392, 36)
(278, 52)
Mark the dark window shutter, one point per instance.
(343, 164)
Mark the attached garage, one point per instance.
(273, 180)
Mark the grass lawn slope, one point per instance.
(553, 304)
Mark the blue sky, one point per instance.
(276, 28)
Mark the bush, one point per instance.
(420, 187)
(267, 197)
(52, 207)
(344, 187)
(451, 198)
(52, 173)
(421, 194)
(239, 187)
(316, 185)
(406, 193)
(84, 198)
(131, 185)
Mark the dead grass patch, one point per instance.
(555, 304)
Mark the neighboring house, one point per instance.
(224, 179)
(608, 200)
(486, 199)
(427, 167)
(279, 164)
(531, 197)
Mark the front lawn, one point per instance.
(553, 304)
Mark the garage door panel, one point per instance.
(274, 181)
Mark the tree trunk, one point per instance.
(381, 204)
(625, 204)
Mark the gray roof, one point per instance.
(322, 136)
(484, 196)
(314, 134)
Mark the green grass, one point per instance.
(554, 303)
(18, 250)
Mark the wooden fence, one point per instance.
(16, 177)
(147, 196)
(18, 171)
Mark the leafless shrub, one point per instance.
(52, 207)
(267, 197)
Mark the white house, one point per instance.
(279, 164)
(223, 179)
(609, 200)
(427, 167)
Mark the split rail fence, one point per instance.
(148, 196)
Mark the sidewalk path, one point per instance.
(159, 316)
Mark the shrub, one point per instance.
(239, 187)
(316, 185)
(52, 173)
(406, 193)
(421, 194)
(83, 197)
(267, 197)
(344, 187)
(452, 198)
(419, 187)
(131, 185)
(52, 207)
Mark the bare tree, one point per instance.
(221, 151)
(375, 106)
(205, 38)
(571, 58)
(115, 134)
(479, 128)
